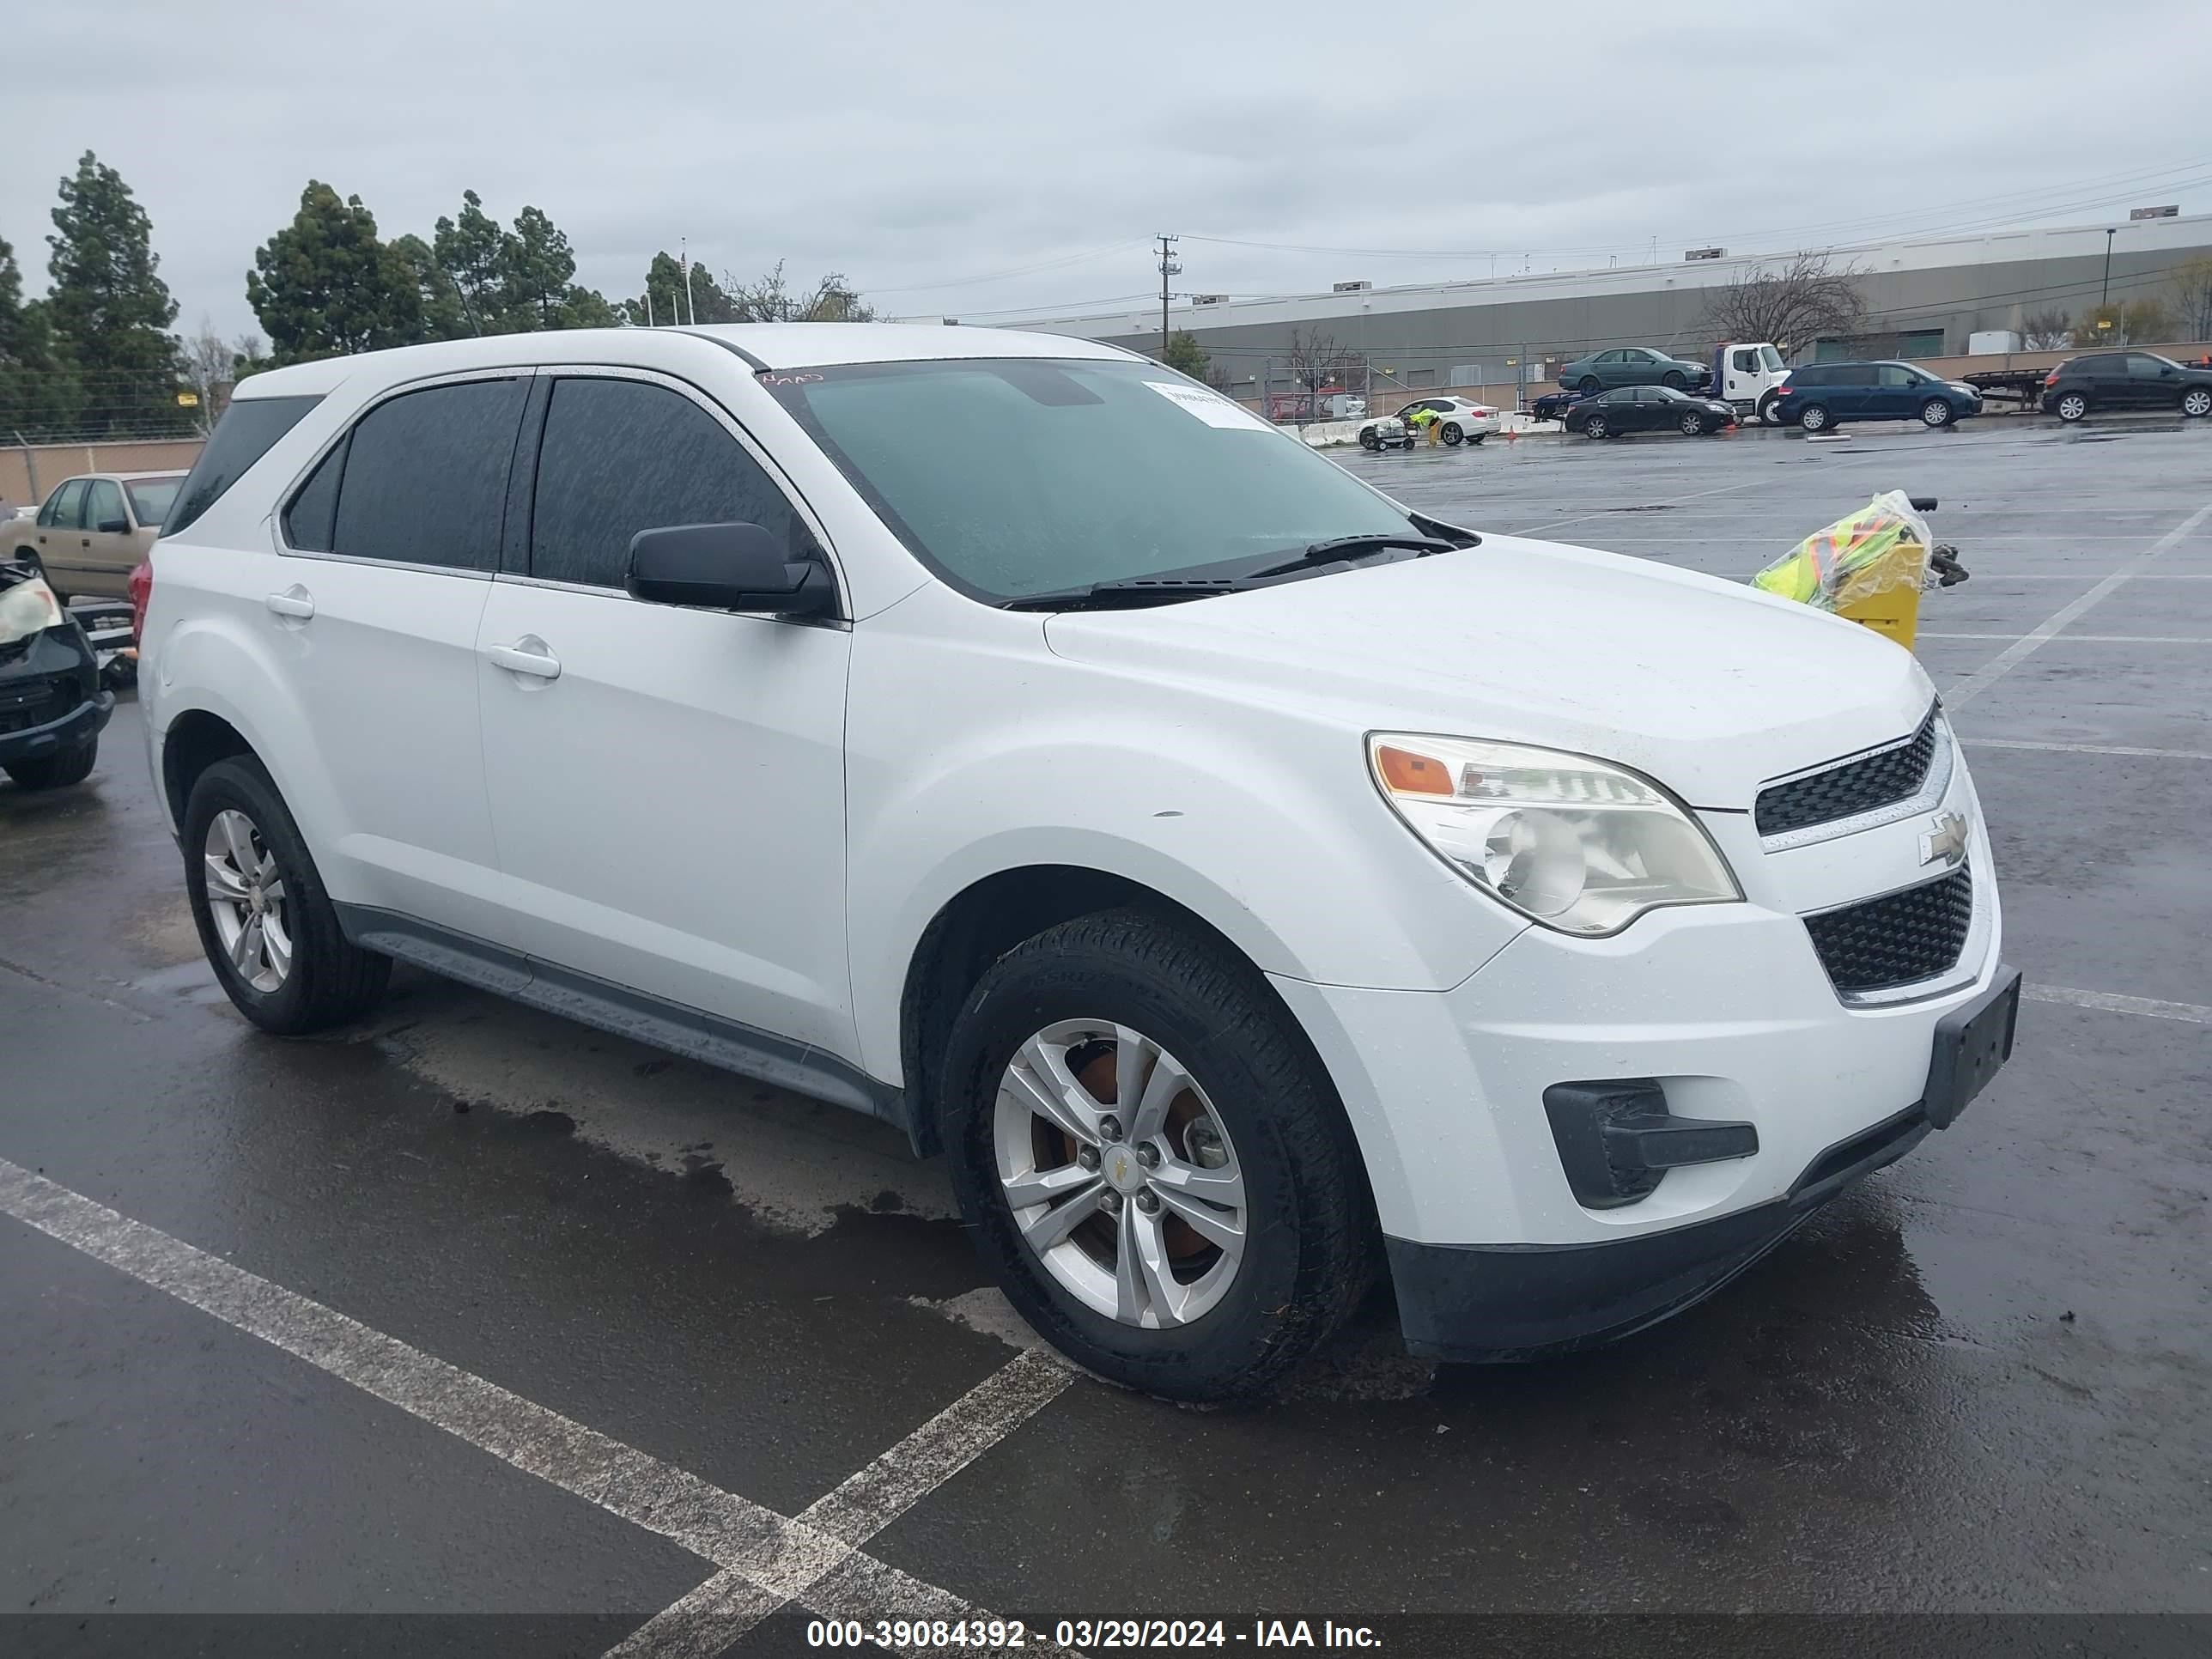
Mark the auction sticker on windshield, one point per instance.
(1213, 410)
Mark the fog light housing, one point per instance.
(1617, 1139)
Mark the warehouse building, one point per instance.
(1925, 297)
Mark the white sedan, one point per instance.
(1460, 421)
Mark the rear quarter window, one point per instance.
(243, 435)
(425, 479)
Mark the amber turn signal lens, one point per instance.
(1409, 774)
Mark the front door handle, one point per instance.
(294, 601)
(527, 655)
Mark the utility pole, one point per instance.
(2107, 293)
(1169, 266)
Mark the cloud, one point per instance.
(911, 146)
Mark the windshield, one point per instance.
(1769, 358)
(150, 497)
(1013, 477)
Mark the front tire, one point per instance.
(58, 770)
(1151, 1159)
(1770, 413)
(1814, 418)
(1672, 379)
(24, 555)
(2071, 407)
(1694, 426)
(1368, 440)
(2196, 402)
(1934, 414)
(265, 919)
(1454, 435)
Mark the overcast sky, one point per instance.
(921, 146)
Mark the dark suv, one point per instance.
(2126, 380)
(1820, 395)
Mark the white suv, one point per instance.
(1248, 884)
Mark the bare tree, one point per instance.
(2048, 330)
(2192, 298)
(1315, 361)
(1792, 304)
(770, 299)
(211, 365)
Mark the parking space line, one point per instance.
(2153, 1007)
(2084, 748)
(772, 1553)
(715, 1614)
(2019, 651)
(2088, 639)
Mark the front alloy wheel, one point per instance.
(2197, 402)
(1120, 1174)
(1936, 413)
(245, 901)
(1694, 426)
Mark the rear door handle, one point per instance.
(527, 655)
(294, 601)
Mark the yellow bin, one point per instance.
(1888, 599)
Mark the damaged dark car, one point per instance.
(52, 706)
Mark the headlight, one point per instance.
(1565, 840)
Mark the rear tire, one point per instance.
(2196, 402)
(1308, 1251)
(2070, 407)
(1814, 418)
(58, 770)
(1589, 385)
(1934, 414)
(1595, 427)
(325, 981)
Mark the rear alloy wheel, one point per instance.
(1151, 1159)
(2197, 402)
(1935, 413)
(2072, 406)
(1814, 418)
(1694, 426)
(1595, 427)
(1452, 434)
(267, 927)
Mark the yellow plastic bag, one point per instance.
(1870, 566)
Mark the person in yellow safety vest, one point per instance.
(1426, 420)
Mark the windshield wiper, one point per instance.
(1127, 594)
(1346, 547)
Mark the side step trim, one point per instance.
(692, 1032)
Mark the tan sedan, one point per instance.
(92, 530)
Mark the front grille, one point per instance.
(1855, 786)
(26, 704)
(1898, 939)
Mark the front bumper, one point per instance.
(80, 725)
(1726, 1008)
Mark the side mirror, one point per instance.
(114, 526)
(727, 567)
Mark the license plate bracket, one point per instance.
(1971, 1043)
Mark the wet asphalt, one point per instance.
(1981, 1383)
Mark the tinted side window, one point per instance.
(103, 504)
(311, 521)
(1856, 375)
(64, 508)
(425, 479)
(242, 437)
(623, 456)
(1810, 377)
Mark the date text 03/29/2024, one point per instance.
(1009, 1635)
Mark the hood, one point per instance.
(1707, 685)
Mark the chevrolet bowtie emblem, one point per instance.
(1945, 840)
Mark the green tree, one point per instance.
(325, 285)
(2124, 322)
(664, 300)
(439, 296)
(470, 247)
(1184, 356)
(107, 304)
(40, 393)
(536, 268)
